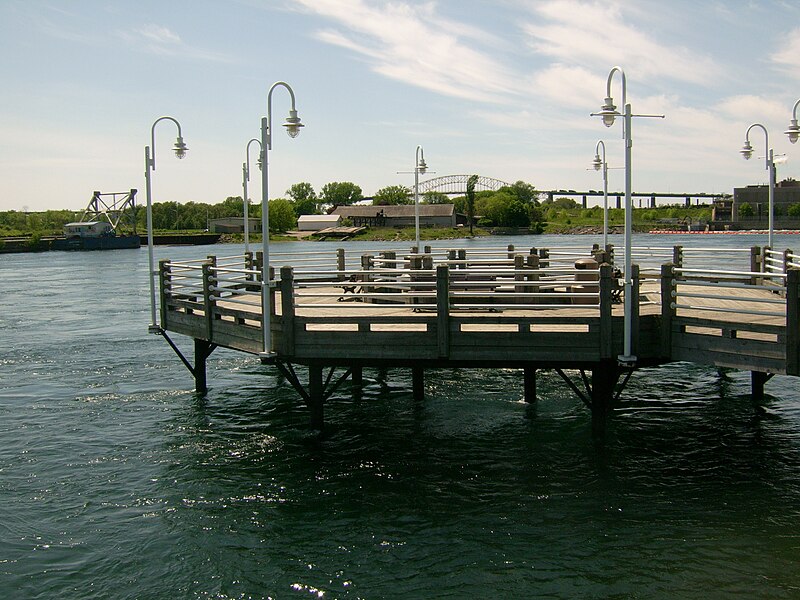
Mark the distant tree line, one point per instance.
(511, 206)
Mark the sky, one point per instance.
(501, 88)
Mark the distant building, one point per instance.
(317, 222)
(787, 193)
(235, 225)
(88, 229)
(401, 215)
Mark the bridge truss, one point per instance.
(457, 184)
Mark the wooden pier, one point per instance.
(531, 309)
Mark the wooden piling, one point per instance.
(529, 380)
(315, 397)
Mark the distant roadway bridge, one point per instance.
(457, 185)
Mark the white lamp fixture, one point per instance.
(150, 165)
(293, 126)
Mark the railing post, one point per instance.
(793, 322)
(248, 264)
(366, 265)
(341, 265)
(519, 275)
(462, 258)
(208, 302)
(511, 252)
(287, 311)
(677, 256)
(610, 253)
(756, 264)
(544, 258)
(165, 285)
(443, 309)
(786, 259)
(606, 323)
(667, 312)
(272, 291)
(427, 262)
(391, 257)
(451, 256)
(532, 261)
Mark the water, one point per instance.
(117, 481)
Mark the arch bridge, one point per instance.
(457, 184)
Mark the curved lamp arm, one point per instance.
(247, 157)
(179, 147)
(747, 148)
(292, 123)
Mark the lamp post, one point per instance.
(150, 165)
(245, 179)
(609, 112)
(747, 153)
(597, 163)
(293, 126)
(419, 167)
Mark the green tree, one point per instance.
(304, 198)
(434, 197)
(281, 215)
(504, 209)
(393, 194)
(564, 202)
(524, 192)
(471, 181)
(794, 210)
(745, 210)
(341, 193)
(232, 206)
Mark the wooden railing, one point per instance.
(454, 305)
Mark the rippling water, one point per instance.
(117, 481)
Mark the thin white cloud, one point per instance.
(787, 59)
(160, 40)
(413, 44)
(594, 34)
